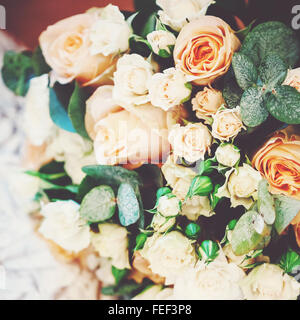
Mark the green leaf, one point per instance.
(58, 112)
(192, 230)
(214, 200)
(265, 202)
(272, 36)
(128, 204)
(206, 167)
(272, 70)
(86, 185)
(286, 210)
(17, 70)
(253, 109)
(289, 261)
(140, 241)
(150, 25)
(39, 64)
(76, 110)
(127, 288)
(112, 175)
(200, 186)
(208, 250)
(118, 274)
(244, 32)
(284, 104)
(135, 38)
(244, 70)
(99, 204)
(244, 236)
(232, 93)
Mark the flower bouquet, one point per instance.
(163, 152)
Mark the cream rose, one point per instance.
(268, 282)
(38, 125)
(110, 33)
(207, 102)
(228, 155)
(132, 137)
(161, 40)
(162, 224)
(131, 79)
(204, 49)
(112, 242)
(240, 186)
(155, 292)
(66, 47)
(293, 79)
(169, 255)
(191, 141)
(177, 13)
(219, 280)
(168, 89)
(227, 124)
(197, 206)
(63, 225)
(168, 206)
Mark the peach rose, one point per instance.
(207, 102)
(227, 124)
(293, 79)
(278, 160)
(66, 46)
(204, 49)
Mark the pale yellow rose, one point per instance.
(207, 102)
(169, 255)
(177, 13)
(66, 48)
(168, 206)
(268, 282)
(168, 89)
(191, 142)
(227, 154)
(293, 79)
(161, 40)
(133, 136)
(197, 206)
(240, 186)
(155, 292)
(227, 124)
(204, 49)
(162, 224)
(112, 242)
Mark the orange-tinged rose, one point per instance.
(204, 49)
(279, 162)
(66, 47)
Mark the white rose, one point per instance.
(169, 255)
(219, 280)
(112, 242)
(168, 206)
(293, 79)
(162, 224)
(191, 141)
(110, 33)
(177, 13)
(39, 127)
(63, 225)
(227, 154)
(155, 292)
(268, 282)
(161, 40)
(168, 89)
(104, 274)
(240, 186)
(197, 206)
(131, 79)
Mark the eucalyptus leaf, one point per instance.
(99, 204)
(266, 204)
(253, 108)
(245, 71)
(286, 210)
(86, 185)
(284, 104)
(128, 205)
(76, 110)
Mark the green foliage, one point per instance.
(265, 203)
(232, 93)
(99, 204)
(140, 241)
(39, 64)
(192, 230)
(208, 251)
(286, 210)
(289, 261)
(128, 204)
(118, 274)
(200, 186)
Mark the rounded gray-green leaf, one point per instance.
(99, 204)
(284, 104)
(272, 70)
(253, 108)
(244, 70)
(265, 202)
(244, 236)
(129, 209)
